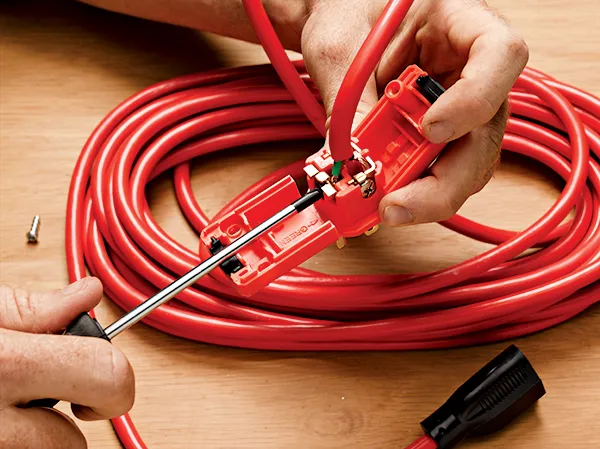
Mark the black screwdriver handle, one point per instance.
(84, 326)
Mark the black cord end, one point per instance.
(488, 401)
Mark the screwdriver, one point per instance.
(85, 325)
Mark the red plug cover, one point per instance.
(388, 143)
(277, 251)
(389, 152)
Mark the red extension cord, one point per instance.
(494, 296)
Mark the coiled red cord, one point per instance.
(494, 296)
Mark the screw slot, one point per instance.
(367, 188)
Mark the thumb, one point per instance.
(49, 311)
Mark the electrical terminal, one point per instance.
(323, 179)
(389, 151)
(330, 184)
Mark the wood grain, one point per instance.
(63, 66)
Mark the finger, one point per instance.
(367, 101)
(86, 413)
(80, 370)
(496, 58)
(462, 170)
(49, 311)
(331, 38)
(38, 428)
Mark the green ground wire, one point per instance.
(337, 169)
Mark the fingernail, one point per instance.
(439, 132)
(74, 287)
(397, 215)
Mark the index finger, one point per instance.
(81, 370)
(497, 56)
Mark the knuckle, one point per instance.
(485, 106)
(487, 175)
(502, 116)
(517, 47)
(451, 207)
(329, 48)
(495, 135)
(24, 306)
(18, 308)
(113, 375)
(449, 204)
(289, 15)
(326, 48)
(494, 130)
(490, 138)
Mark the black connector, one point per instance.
(231, 265)
(430, 88)
(488, 401)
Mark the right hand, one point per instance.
(466, 46)
(90, 373)
(463, 44)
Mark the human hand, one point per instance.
(462, 44)
(91, 374)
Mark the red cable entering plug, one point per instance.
(422, 443)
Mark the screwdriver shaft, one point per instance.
(188, 279)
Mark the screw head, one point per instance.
(32, 234)
(367, 188)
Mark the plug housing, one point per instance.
(390, 151)
(488, 401)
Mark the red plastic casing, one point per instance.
(277, 251)
(389, 141)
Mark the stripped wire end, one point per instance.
(337, 169)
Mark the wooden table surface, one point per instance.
(64, 66)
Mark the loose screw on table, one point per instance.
(85, 325)
(32, 234)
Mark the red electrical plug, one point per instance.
(389, 151)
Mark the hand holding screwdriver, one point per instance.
(90, 373)
(86, 371)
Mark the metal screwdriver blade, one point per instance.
(192, 276)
